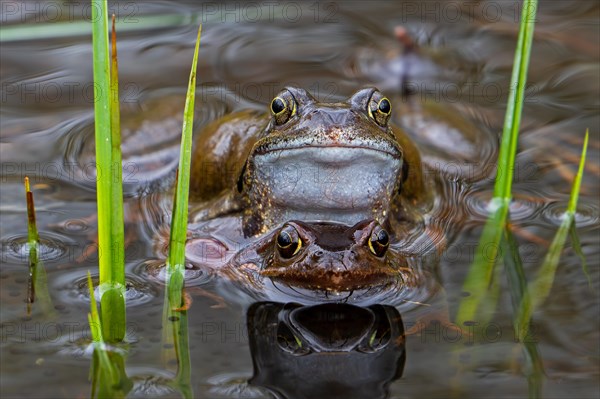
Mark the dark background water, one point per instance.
(248, 53)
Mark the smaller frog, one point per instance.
(325, 256)
(307, 261)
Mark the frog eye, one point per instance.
(288, 242)
(283, 107)
(384, 106)
(380, 109)
(379, 241)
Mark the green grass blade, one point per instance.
(577, 248)
(540, 288)
(109, 379)
(102, 134)
(94, 317)
(572, 207)
(175, 316)
(517, 285)
(109, 194)
(117, 225)
(176, 259)
(113, 291)
(482, 269)
(96, 331)
(512, 119)
(479, 279)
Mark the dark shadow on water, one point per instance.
(329, 350)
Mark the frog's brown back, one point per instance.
(220, 151)
(413, 188)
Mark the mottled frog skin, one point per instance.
(325, 256)
(341, 162)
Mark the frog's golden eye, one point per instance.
(288, 242)
(379, 241)
(277, 105)
(283, 107)
(380, 109)
(384, 106)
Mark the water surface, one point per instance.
(247, 55)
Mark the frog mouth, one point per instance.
(330, 280)
(351, 156)
(327, 183)
(342, 148)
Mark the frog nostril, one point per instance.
(318, 254)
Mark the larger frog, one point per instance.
(239, 170)
(352, 167)
(308, 160)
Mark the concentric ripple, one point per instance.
(51, 247)
(155, 270)
(521, 207)
(137, 291)
(586, 215)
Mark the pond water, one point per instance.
(248, 53)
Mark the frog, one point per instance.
(324, 256)
(320, 259)
(375, 172)
(243, 208)
(308, 160)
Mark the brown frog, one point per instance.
(342, 162)
(324, 257)
(331, 226)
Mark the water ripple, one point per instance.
(74, 286)
(51, 247)
(155, 270)
(587, 212)
(522, 207)
(151, 133)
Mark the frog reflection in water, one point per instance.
(312, 161)
(339, 350)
